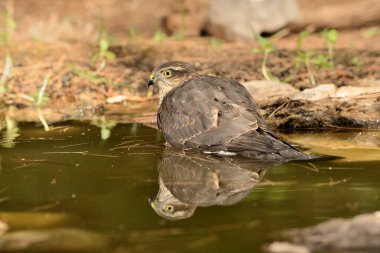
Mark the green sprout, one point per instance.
(41, 99)
(370, 32)
(304, 57)
(10, 134)
(90, 76)
(216, 43)
(307, 60)
(181, 34)
(330, 36)
(38, 100)
(160, 37)
(357, 62)
(9, 25)
(103, 54)
(133, 32)
(321, 61)
(300, 53)
(266, 48)
(105, 127)
(5, 75)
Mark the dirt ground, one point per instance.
(57, 42)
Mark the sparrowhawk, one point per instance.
(216, 115)
(191, 180)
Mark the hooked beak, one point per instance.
(152, 204)
(150, 82)
(151, 79)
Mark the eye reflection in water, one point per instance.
(189, 180)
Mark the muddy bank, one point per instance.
(360, 233)
(328, 113)
(359, 112)
(80, 88)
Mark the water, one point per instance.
(70, 180)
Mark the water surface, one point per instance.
(83, 177)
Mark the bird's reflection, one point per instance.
(187, 181)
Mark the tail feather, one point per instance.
(264, 145)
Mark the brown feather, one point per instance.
(218, 114)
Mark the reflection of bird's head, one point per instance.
(169, 207)
(171, 74)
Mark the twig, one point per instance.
(3, 199)
(80, 153)
(313, 167)
(42, 119)
(278, 108)
(332, 182)
(139, 99)
(73, 145)
(4, 189)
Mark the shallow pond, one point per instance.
(93, 187)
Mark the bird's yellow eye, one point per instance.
(169, 208)
(168, 73)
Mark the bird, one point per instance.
(215, 115)
(191, 180)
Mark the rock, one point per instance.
(341, 14)
(328, 113)
(240, 19)
(361, 232)
(264, 90)
(53, 240)
(116, 99)
(316, 93)
(285, 247)
(3, 227)
(352, 91)
(35, 220)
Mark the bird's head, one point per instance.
(170, 75)
(169, 207)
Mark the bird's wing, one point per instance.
(192, 179)
(201, 180)
(207, 111)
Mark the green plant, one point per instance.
(10, 134)
(8, 23)
(330, 37)
(321, 61)
(216, 43)
(103, 54)
(300, 53)
(160, 37)
(38, 100)
(181, 34)
(370, 32)
(4, 76)
(105, 127)
(356, 62)
(304, 57)
(90, 76)
(266, 47)
(133, 32)
(307, 60)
